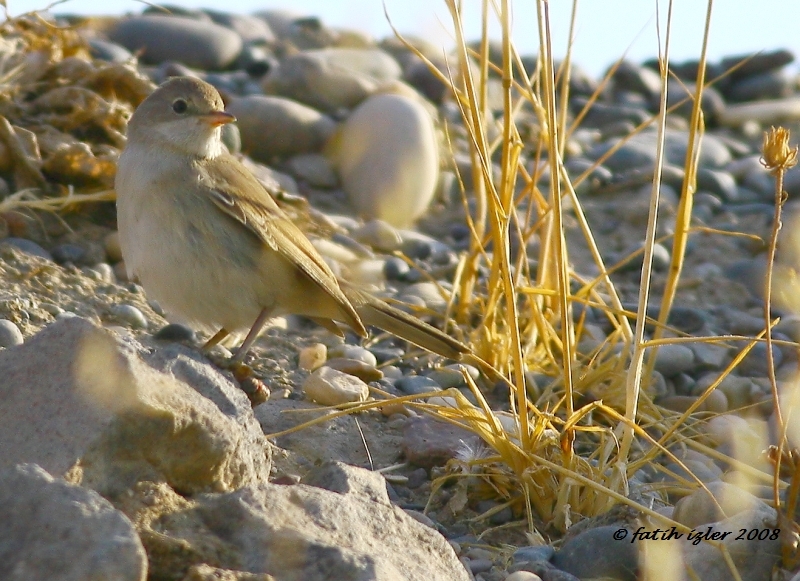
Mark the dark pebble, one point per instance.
(384, 354)
(540, 553)
(108, 51)
(755, 363)
(418, 249)
(417, 478)
(255, 61)
(396, 268)
(757, 63)
(64, 253)
(176, 332)
(595, 553)
(416, 384)
(717, 182)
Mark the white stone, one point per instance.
(328, 386)
(386, 154)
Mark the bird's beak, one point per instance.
(217, 118)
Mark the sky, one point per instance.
(605, 29)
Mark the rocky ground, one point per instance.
(130, 455)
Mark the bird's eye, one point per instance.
(179, 106)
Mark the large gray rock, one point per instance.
(274, 126)
(348, 531)
(332, 78)
(195, 43)
(76, 398)
(302, 533)
(60, 532)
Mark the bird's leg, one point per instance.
(252, 335)
(221, 334)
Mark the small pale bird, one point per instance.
(208, 242)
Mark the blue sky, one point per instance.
(605, 28)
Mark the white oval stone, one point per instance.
(328, 386)
(387, 158)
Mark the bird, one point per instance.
(209, 243)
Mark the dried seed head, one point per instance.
(776, 153)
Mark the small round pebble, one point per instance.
(540, 553)
(52, 309)
(312, 357)
(396, 268)
(129, 315)
(10, 335)
(327, 386)
(379, 234)
(353, 352)
(523, 576)
(447, 378)
(176, 332)
(672, 360)
(360, 369)
(479, 565)
(66, 253)
(416, 384)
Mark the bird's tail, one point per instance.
(378, 313)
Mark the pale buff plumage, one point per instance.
(209, 243)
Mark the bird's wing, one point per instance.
(237, 193)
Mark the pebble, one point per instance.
(395, 268)
(251, 29)
(130, 315)
(332, 78)
(523, 576)
(719, 183)
(386, 155)
(595, 553)
(716, 402)
(312, 357)
(427, 292)
(428, 442)
(533, 553)
(195, 43)
(722, 500)
(10, 335)
(360, 369)
(354, 352)
(674, 359)
(327, 386)
(277, 127)
(314, 169)
(176, 332)
(446, 377)
(108, 51)
(27, 246)
(378, 234)
(755, 363)
(417, 384)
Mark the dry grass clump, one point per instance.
(62, 115)
(555, 456)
